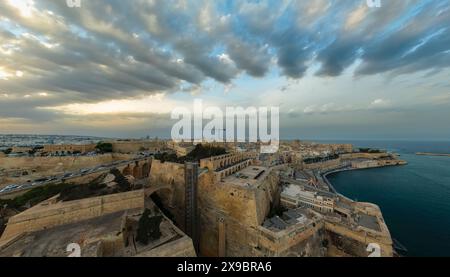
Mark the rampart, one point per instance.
(325, 165)
(231, 213)
(304, 240)
(47, 214)
(47, 166)
(172, 174)
(137, 146)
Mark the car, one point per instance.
(12, 186)
(26, 186)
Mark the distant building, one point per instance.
(21, 149)
(294, 196)
(68, 148)
(228, 164)
(180, 148)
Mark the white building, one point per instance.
(294, 196)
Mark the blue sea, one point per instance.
(414, 199)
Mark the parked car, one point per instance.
(26, 186)
(11, 187)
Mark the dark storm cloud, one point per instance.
(118, 49)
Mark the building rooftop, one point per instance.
(289, 218)
(248, 176)
(54, 241)
(368, 221)
(92, 233)
(344, 205)
(292, 190)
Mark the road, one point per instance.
(66, 176)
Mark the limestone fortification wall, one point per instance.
(136, 146)
(54, 165)
(363, 156)
(182, 247)
(42, 217)
(326, 165)
(241, 209)
(354, 243)
(304, 240)
(173, 199)
(72, 180)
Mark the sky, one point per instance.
(336, 69)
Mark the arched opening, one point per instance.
(137, 173)
(145, 170)
(163, 198)
(127, 171)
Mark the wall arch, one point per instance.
(127, 171)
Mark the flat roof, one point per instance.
(247, 175)
(342, 204)
(368, 221)
(53, 241)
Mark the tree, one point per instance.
(148, 228)
(104, 147)
(205, 151)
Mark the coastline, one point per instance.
(342, 169)
(432, 154)
(399, 249)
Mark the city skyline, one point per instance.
(337, 71)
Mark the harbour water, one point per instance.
(414, 199)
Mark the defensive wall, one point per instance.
(139, 169)
(359, 155)
(231, 213)
(300, 240)
(36, 167)
(68, 148)
(50, 214)
(137, 146)
(354, 242)
(171, 174)
(325, 165)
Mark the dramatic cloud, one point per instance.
(54, 56)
